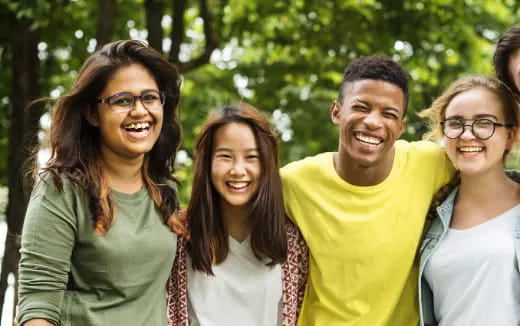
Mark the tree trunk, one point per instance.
(177, 33)
(106, 20)
(23, 137)
(154, 12)
(211, 38)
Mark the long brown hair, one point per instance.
(75, 142)
(209, 239)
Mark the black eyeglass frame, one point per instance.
(464, 125)
(106, 100)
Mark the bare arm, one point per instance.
(37, 322)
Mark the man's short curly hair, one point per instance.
(376, 68)
(506, 46)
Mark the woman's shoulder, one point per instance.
(60, 192)
(170, 190)
(55, 183)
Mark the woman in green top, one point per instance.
(95, 247)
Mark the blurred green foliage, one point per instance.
(285, 57)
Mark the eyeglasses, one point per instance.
(152, 100)
(481, 128)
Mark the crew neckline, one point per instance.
(118, 195)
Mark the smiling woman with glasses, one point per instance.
(96, 248)
(469, 256)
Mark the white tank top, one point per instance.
(474, 275)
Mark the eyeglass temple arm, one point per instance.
(97, 100)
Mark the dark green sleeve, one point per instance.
(48, 238)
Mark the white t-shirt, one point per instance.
(474, 275)
(244, 291)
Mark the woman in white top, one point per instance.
(469, 258)
(244, 263)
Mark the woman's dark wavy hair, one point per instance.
(209, 239)
(75, 142)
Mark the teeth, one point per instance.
(238, 185)
(368, 139)
(140, 125)
(472, 149)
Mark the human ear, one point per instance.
(91, 115)
(335, 112)
(403, 126)
(511, 137)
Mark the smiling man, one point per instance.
(362, 209)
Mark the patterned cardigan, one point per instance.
(294, 271)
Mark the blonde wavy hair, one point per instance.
(436, 112)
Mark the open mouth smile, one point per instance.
(369, 140)
(137, 127)
(470, 149)
(138, 130)
(238, 185)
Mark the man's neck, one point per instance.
(360, 175)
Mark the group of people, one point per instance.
(381, 232)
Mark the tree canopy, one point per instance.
(285, 57)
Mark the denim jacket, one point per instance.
(432, 238)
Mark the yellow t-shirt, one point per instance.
(363, 240)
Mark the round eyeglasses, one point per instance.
(480, 128)
(152, 100)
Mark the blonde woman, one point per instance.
(469, 258)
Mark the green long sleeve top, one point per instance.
(70, 275)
